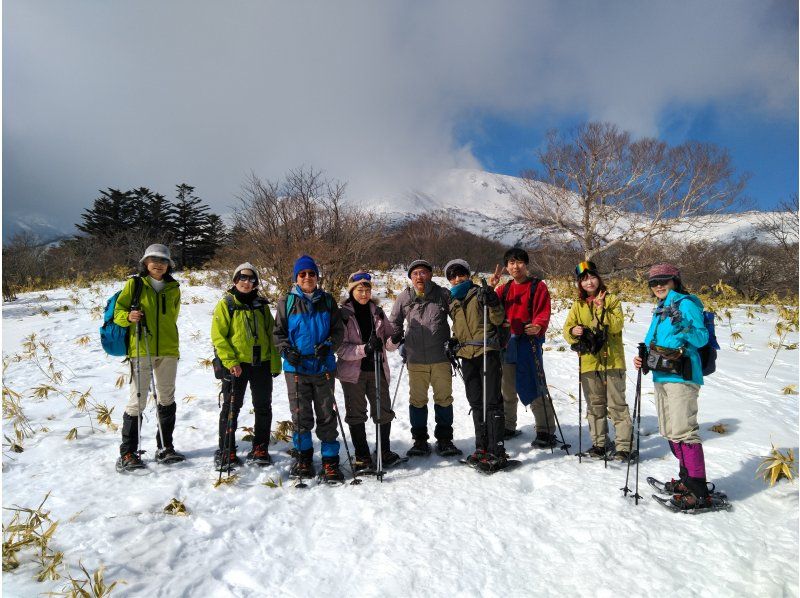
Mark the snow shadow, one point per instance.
(708, 435)
(743, 483)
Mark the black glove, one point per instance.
(375, 343)
(451, 348)
(292, 355)
(397, 337)
(321, 351)
(486, 296)
(276, 374)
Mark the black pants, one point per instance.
(492, 439)
(260, 379)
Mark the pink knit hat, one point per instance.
(663, 272)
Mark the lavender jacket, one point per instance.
(351, 351)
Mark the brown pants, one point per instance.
(422, 376)
(165, 370)
(542, 414)
(356, 395)
(604, 401)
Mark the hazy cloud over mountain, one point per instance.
(155, 93)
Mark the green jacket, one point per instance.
(612, 357)
(467, 316)
(234, 337)
(161, 310)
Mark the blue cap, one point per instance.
(305, 262)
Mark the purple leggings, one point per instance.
(690, 457)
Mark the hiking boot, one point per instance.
(446, 448)
(169, 455)
(390, 458)
(362, 464)
(689, 502)
(331, 474)
(421, 448)
(675, 487)
(259, 455)
(596, 452)
(509, 434)
(129, 462)
(221, 460)
(544, 440)
(476, 457)
(624, 456)
(302, 468)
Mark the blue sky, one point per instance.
(381, 95)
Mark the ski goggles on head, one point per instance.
(365, 276)
(585, 268)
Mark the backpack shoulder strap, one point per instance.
(534, 285)
(137, 290)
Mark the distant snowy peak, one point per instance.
(483, 203)
(35, 224)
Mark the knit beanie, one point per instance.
(358, 278)
(663, 272)
(458, 266)
(305, 262)
(417, 263)
(246, 266)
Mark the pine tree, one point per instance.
(112, 213)
(154, 214)
(189, 226)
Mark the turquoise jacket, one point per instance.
(689, 331)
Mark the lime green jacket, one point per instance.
(612, 356)
(234, 337)
(160, 329)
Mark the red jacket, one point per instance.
(516, 305)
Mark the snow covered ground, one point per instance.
(552, 527)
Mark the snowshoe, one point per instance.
(391, 459)
(331, 474)
(129, 462)
(493, 465)
(688, 503)
(475, 458)
(363, 465)
(421, 448)
(446, 448)
(544, 440)
(169, 455)
(221, 461)
(509, 434)
(596, 452)
(625, 456)
(302, 469)
(674, 487)
(259, 455)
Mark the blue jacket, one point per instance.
(688, 332)
(309, 323)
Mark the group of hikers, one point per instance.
(491, 333)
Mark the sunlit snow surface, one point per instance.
(553, 527)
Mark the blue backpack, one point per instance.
(114, 337)
(708, 352)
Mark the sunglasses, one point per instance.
(658, 283)
(585, 267)
(245, 278)
(361, 276)
(307, 273)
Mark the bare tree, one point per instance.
(304, 213)
(598, 189)
(781, 226)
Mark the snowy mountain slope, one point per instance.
(553, 527)
(483, 202)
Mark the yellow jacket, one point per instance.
(612, 356)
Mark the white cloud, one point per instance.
(152, 93)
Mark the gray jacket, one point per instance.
(428, 328)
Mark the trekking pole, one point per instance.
(138, 393)
(153, 384)
(300, 483)
(378, 448)
(637, 406)
(485, 431)
(344, 436)
(397, 386)
(545, 396)
(580, 411)
(227, 384)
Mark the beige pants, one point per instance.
(165, 369)
(607, 401)
(543, 417)
(676, 403)
(422, 376)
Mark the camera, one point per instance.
(590, 342)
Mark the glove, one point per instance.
(488, 297)
(292, 355)
(451, 348)
(321, 351)
(375, 343)
(397, 337)
(276, 374)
